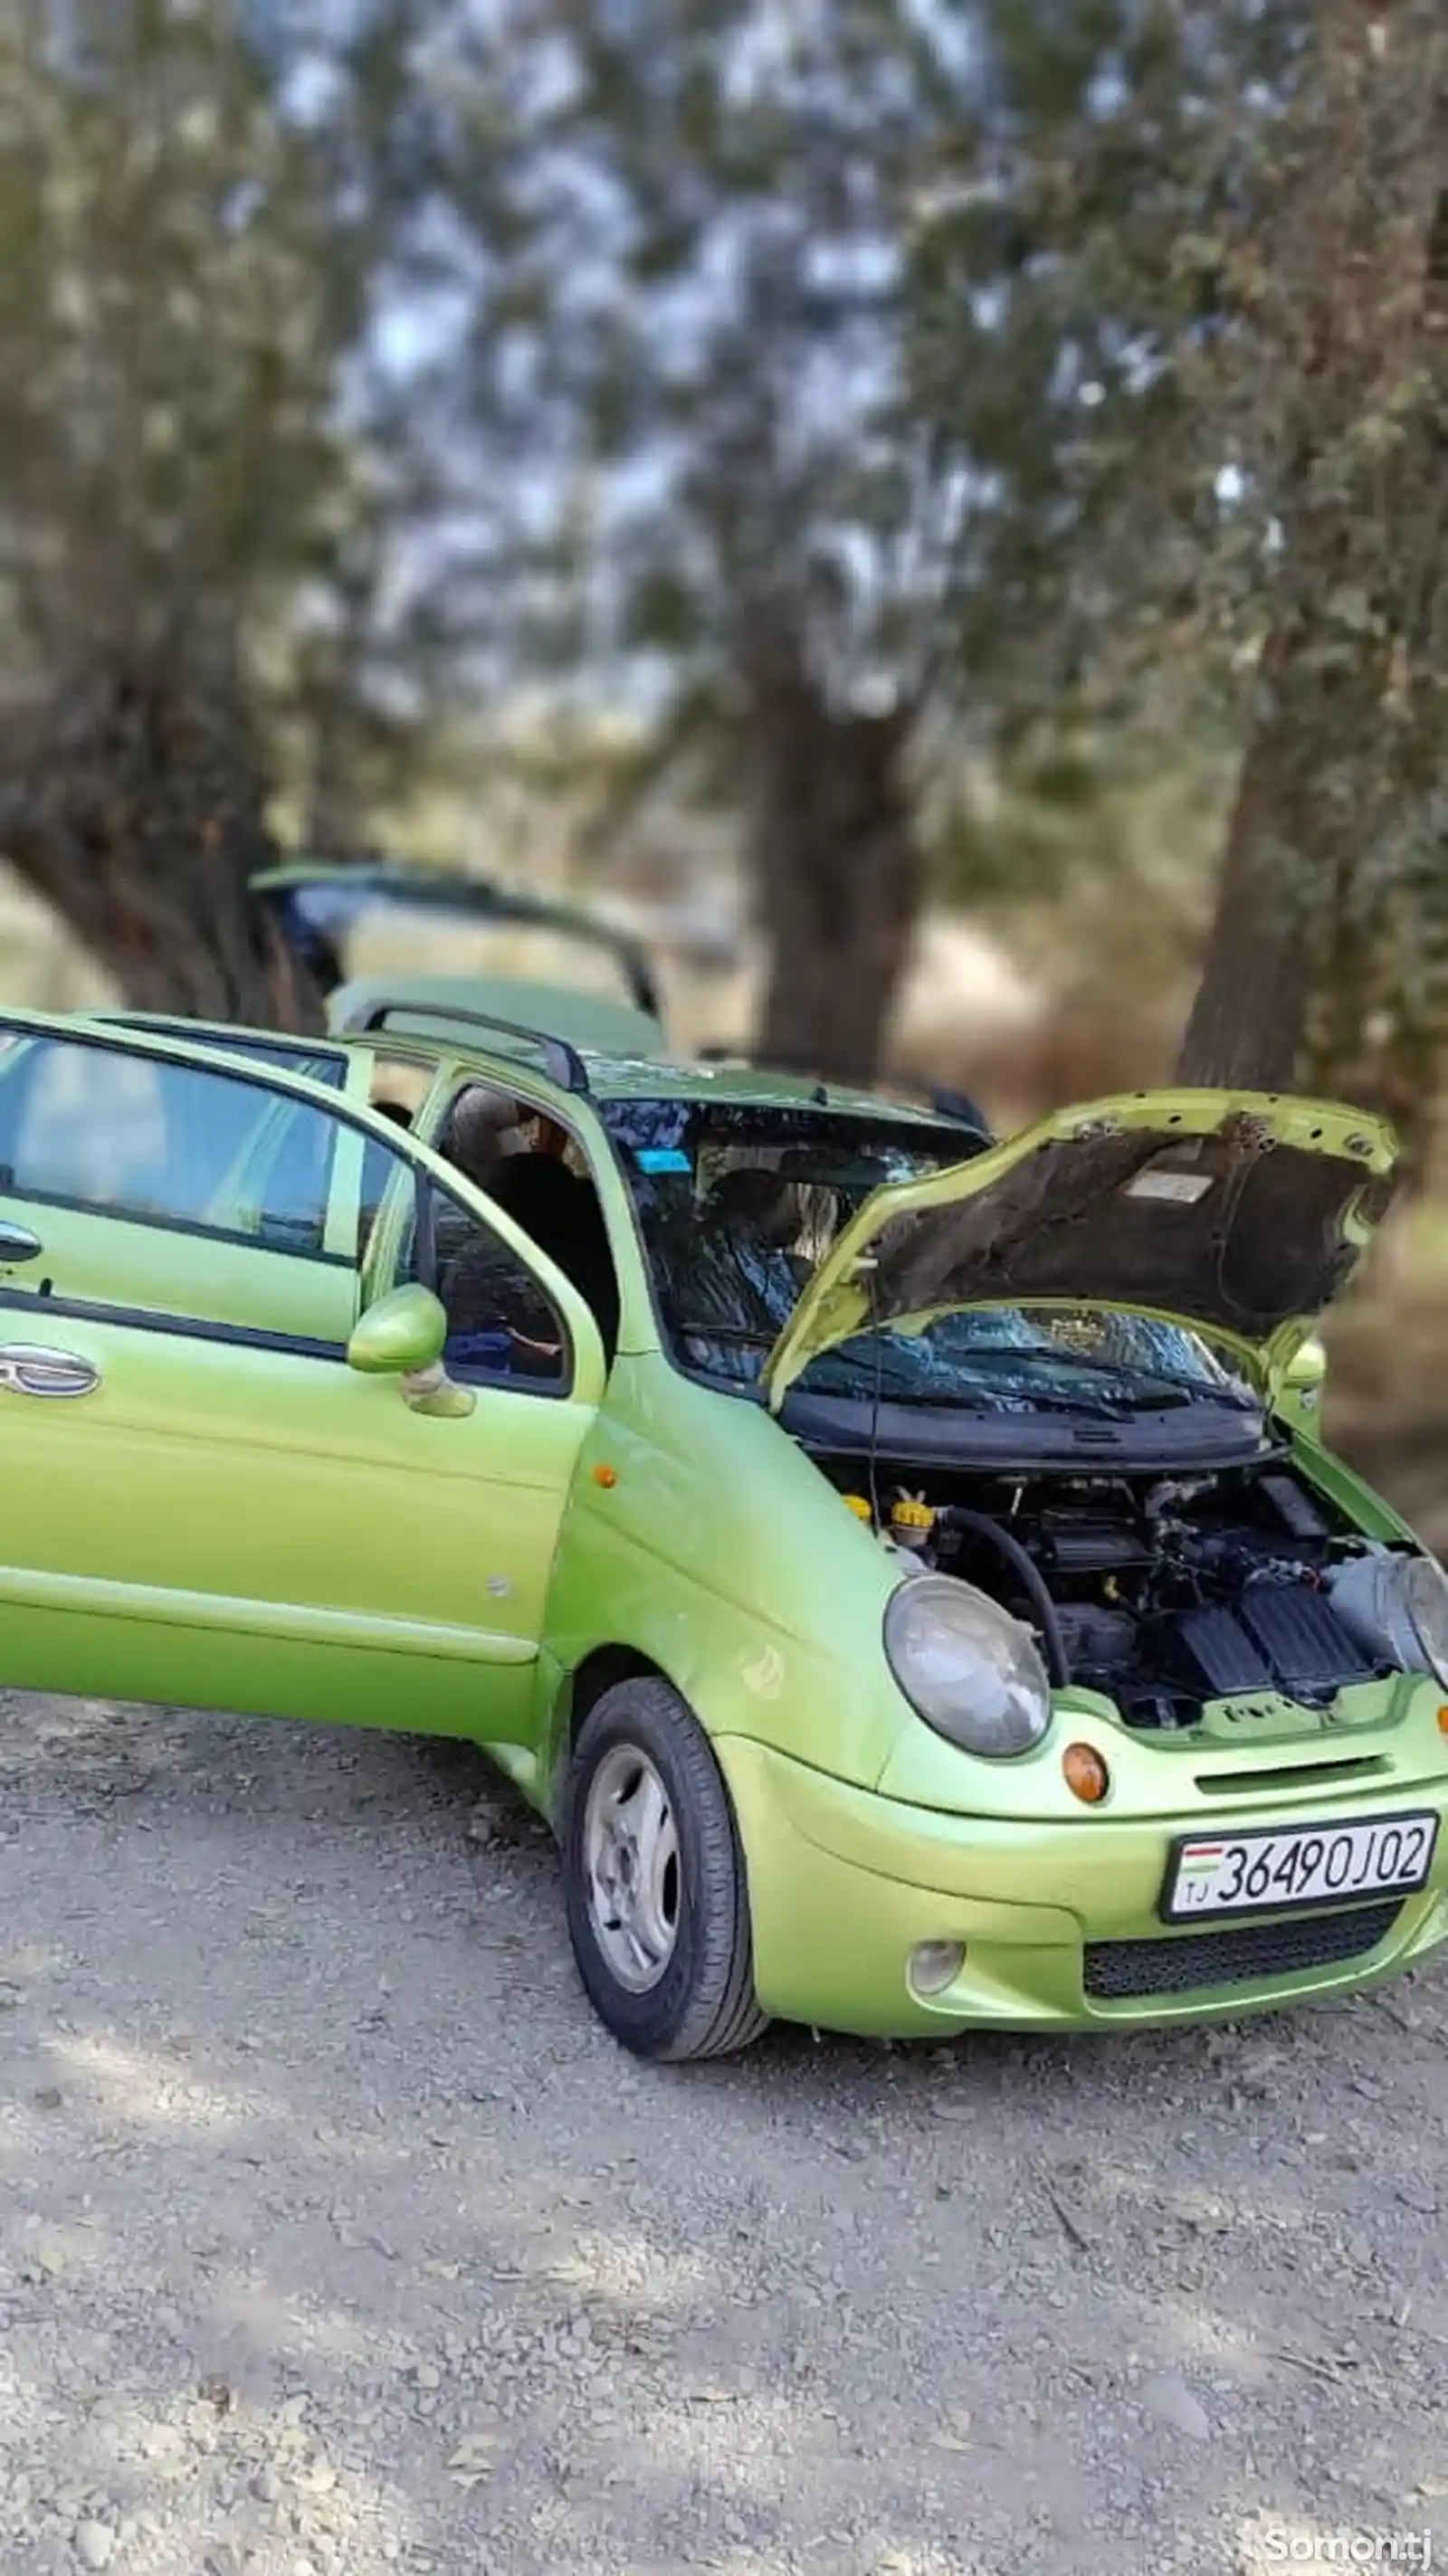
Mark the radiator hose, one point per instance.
(955, 1516)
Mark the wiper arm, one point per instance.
(1142, 1370)
(1104, 1408)
(727, 1333)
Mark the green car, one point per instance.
(903, 1568)
(339, 918)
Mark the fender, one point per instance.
(686, 1548)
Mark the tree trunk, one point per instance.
(1309, 805)
(838, 875)
(1357, 259)
(138, 814)
(1246, 1023)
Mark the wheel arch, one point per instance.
(579, 1688)
(597, 1673)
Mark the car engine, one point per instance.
(1164, 1592)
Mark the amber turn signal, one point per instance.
(1443, 1721)
(605, 1475)
(1086, 1774)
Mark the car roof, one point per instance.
(729, 1082)
(735, 1084)
(738, 1084)
(461, 1029)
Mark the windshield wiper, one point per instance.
(982, 1400)
(892, 1389)
(1144, 1371)
(727, 1333)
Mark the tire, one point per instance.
(662, 1938)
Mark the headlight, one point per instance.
(1425, 1599)
(1396, 1607)
(968, 1667)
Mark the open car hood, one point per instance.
(1240, 1214)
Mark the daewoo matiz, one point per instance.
(904, 1568)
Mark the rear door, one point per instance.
(199, 1500)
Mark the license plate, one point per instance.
(1224, 1873)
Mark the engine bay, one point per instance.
(1163, 1592)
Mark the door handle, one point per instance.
(17, 1243)
(28, 1369)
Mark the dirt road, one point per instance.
(338, 2238)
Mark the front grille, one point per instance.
(1115, 1970)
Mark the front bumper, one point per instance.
(1054, 1918)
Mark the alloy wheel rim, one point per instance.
(631, 1864)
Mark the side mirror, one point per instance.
(403, 1336)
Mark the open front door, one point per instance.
(200, 1500)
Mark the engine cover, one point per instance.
(1302, 1637)
(1276, 1636)
(1210, 1651)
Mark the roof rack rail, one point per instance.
(562, 1060)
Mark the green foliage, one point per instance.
(902, 330)
(188, 267)
(1092, 843)
(692, 230)
(1185, 343)
(164, 312)
(1019, 369)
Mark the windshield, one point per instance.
(738, 1206)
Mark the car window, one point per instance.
(502, 1325)
(389, 1190)
(399, 1084)
(285, 1055)
(536, 1169)
(133, 1136)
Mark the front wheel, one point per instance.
(658, 1907)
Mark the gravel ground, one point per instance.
(337, 2237)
